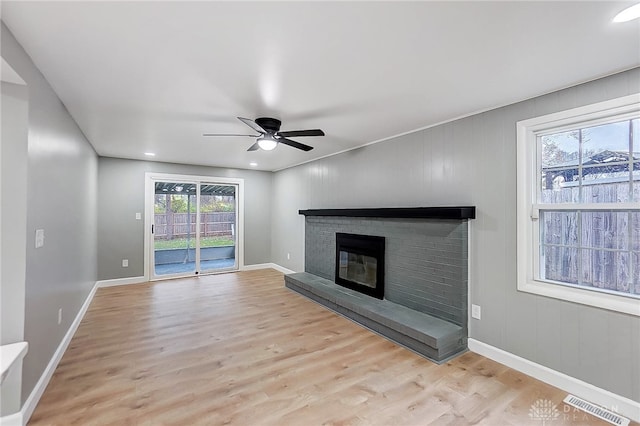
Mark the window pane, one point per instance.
(636, 156)
(560, 264)
(561, 195)
(605, 163)
(560, 158)
(606, 192)
(635, 231)
(636, 178)
(622, 278)
(605, 229)
(593, 161)
(560, 149)
(603, 272)
(599, 143)
(635, 266)
(606, 270)
(559, 227)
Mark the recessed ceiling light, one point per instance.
(253, 164)
(628, 14)
(150, 154)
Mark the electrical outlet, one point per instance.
(39, 238)
(59, 316)
(476, 311)
(125, 263)
(288, 256)
(138, 216)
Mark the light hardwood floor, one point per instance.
(241, 349)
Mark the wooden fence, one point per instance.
(595, 249)
(169, 226)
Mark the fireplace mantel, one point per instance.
(457, 212)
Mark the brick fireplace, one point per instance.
(425, 270)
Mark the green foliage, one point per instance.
(178, 243)
(179, 203)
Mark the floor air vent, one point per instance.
(594, 410)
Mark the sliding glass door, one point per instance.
(193, 229)
(218, 210)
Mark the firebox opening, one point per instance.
(360, 263)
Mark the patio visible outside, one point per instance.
(175, 223)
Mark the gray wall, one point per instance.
(61, 199)
(472, 161)
(13, 228)
(14, 211)
(121, 236)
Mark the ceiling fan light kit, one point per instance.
(270, 135)
(267, 142)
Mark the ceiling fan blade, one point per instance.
(294, 144)
(254, 147)
(227, 134)
(253, 125)
(294, 133)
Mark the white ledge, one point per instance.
(9, 354)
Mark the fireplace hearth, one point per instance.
(360, 263)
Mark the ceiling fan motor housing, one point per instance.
(271, 125)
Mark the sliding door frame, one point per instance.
(149, 191)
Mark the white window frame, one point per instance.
(528, 175)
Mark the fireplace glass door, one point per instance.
(358, 268)
(360, 263)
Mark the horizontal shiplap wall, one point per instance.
(472, 161)
(425, 260)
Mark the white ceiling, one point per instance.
(154, 76)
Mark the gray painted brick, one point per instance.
(425, 261)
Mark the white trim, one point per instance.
(150, 177)
(528, 208)
(121, 281)
(584, 296)
(584, 390)
(275, 266)
(590, 112)
(148, 221)
(14, 419)
(9, 355)
(33, 399)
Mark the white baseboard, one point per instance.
(38, 390)
(267, 266)
(121, 281)
(616, 403)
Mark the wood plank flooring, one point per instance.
(241, 349)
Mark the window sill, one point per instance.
(598, 299)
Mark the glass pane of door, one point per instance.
(217, 227)
(174, 235)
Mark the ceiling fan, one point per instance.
(270, 135)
